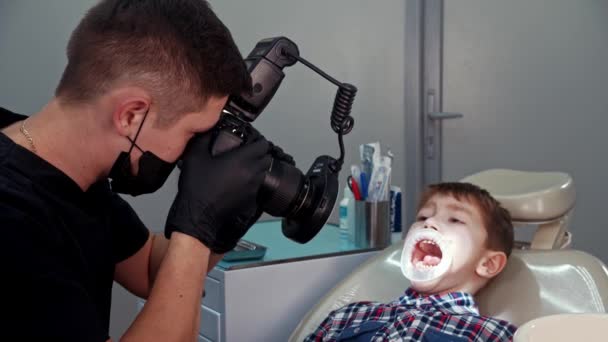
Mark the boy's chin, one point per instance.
(448, 282)
(427, 287)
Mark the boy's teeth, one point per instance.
(421, 264)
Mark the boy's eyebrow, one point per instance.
(457, 207)
(429, 205)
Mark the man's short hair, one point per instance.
(496, 219)
(177, 49)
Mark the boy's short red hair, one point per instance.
(496, 219)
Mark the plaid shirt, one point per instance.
(413, 317)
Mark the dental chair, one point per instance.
(543, 276)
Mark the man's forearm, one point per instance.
(171, 312)
(214, 259)
(160, 244)
(157, 254)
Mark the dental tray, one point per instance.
(245, 250)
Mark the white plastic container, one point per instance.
(347, 219)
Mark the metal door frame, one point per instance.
(423, 97)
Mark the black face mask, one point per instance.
(151, 175)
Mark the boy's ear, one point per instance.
(491, 264)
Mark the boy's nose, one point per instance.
(429, 224)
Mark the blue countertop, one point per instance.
(281, 249)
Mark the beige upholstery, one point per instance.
(534, 284)
(543, 199)
(565, 328)
(529, 196)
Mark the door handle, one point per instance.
(432, 139)
(436, 116)
(444, 115)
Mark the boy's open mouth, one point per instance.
(426, 254)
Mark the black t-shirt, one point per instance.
(59, 248)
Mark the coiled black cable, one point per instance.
(341, 121)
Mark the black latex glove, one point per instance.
(277, 154)
(275, 151)
(216, 199)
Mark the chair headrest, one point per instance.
(529, 196)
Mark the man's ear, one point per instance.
(492, 263)
(129, 113)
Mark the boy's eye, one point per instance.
(421, 218)
(455, 220)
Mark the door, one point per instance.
(529, 77)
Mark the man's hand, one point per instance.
(216, 199)
(278, 154)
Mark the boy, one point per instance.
(461, 239)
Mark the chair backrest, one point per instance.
(543, 199)
(530, 196)
(534, 284)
